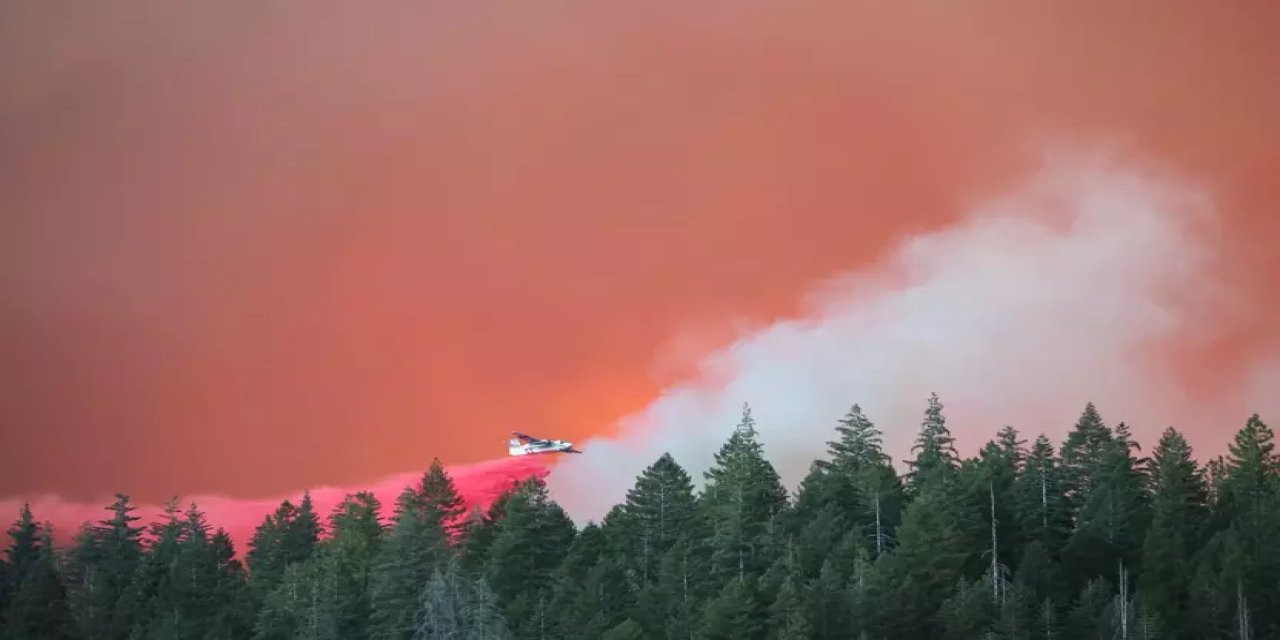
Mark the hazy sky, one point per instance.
(250, 247)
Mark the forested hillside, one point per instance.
(1094, 538)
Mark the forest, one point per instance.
(1096, 537)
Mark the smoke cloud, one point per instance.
(1073, 288)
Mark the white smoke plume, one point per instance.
(1058, 294)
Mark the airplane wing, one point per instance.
(571, 450)
(528, 439)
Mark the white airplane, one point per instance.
(525, 445)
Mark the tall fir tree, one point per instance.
(22, 552)
(1179, 515)
(745, 504)
(444, 507)
(414, 546)
(103, 563)
(1112, 522)
(936, 461)
(1250, 503)
(1043, 513)
(661, 508)
(531, 539)
(1082, 454)
(39, 609)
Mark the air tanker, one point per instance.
(527, 445)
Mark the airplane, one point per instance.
(526, 445)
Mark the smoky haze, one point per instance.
(253, 247)
(1066, 290)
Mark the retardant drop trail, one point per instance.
(478, 484)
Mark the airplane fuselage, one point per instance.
(540, 447)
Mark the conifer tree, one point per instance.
(1250, 502)
(39, 609)
(414, 546)
(660, 508)
(1179, 516)
(103, 563)
(1082, 454)
(24, 546)
(353, 551)
(531, 539)
(1111, 523)
(734, 614)
(745, 504)
(829, 609)
(969, 612)
(936, 461)
(789, 612)
(1039, 492)
(285, 537)
(444, 507)
(858, 479)
(935, 542)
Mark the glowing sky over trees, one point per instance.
(254, 248)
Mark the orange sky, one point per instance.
(254, 247)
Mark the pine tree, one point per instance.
(1111, 524)
(228, 592)
(454, 605)
(440, 498)
(285, 537)
(1082, 454)
(137, 608)
(734, 614)
(684, 584)
(413, 547)
(24, 547)
(303, 533)
(935, 543)
(353, 550)
(480, 530)
(745, 504)
(829, 610)
(1088, 618)
(969, 612)
(661, 508)
(859, 479)
(860, 445)
(1179, 515)
(1250, 502)
(1039, 493)
(532, 537)
(789, 612)
(103, 563)
(39, 609)
(936, 461)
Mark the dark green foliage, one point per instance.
(1039, 494)
(284, 538)
(1013, 543)
(441, 501)
(936, 461)
(659, 511)
(745, 504)
(734, 614)
(39, 609)
(1112, 521)
(414, 546)
(103, 562)
(1178, 521)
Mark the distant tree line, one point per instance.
(1094, 539)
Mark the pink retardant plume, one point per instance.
(478, 484)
